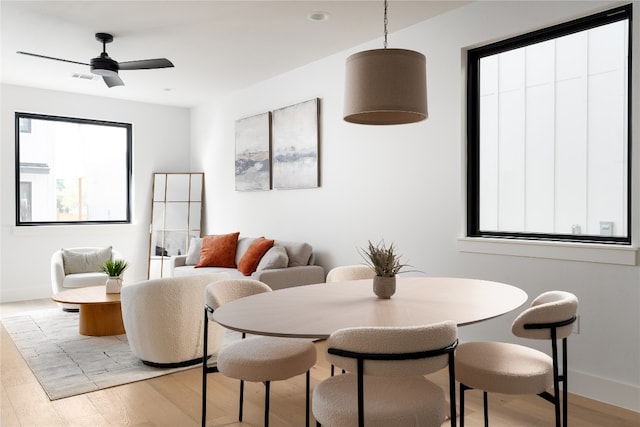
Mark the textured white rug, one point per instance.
(67, 363)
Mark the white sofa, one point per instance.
(78, 268)
(164, 320)
(285, 265)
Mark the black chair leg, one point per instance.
(267, 387)
(486, 409)
(307, 414)
(204, 369)
(565, 387)
(241, 403)
(556, 378)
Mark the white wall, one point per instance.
(406, 184)
(160, 144)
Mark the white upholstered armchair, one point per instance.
(79, 268)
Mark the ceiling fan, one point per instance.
(108, 68)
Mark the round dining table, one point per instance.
(316, 311)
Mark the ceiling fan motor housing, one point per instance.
(104, 66)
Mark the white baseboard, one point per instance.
(624, 395)
(24, 294)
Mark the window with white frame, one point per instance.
(71, 170)
(548, 126)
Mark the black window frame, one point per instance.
(129, 164)
(473, 124)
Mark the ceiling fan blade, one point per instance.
(112, 81)
(145, 64)
(50, 57)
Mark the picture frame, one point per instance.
(295, 141)
(253, 153)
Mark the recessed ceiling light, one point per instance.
(318, 16)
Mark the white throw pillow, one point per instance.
(84, 261)
(299, 253)
(276, 257)
(193, 254)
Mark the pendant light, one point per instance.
(385, 86)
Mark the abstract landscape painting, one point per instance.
(253, 144)
(295, 146)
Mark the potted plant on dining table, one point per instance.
(385, 261)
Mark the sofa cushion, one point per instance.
(219, 250)
(299, 253)
(249, 261)
(82, 280)
(193, 254)
(75, 262)
(276, 257)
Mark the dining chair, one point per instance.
(515, 369)
(350, 272)
(386, 365)
(257, 358)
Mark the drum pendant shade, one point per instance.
(385, 87)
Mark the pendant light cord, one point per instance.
(386, 21)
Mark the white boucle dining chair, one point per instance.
(515, 369)
(386, 365)
(350, 272)
(257, 358)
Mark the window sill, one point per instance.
(585, 252)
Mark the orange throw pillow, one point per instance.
(251, 258)
(219, 251)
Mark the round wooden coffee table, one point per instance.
(100, 312)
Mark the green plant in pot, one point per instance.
(114, 269)
(385, 261)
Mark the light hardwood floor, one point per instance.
(174, 400)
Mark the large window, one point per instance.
(71, 170)
(548, 122)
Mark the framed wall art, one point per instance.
(253, 153)
(295, 145)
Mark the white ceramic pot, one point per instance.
(114, 285)
(384, 287)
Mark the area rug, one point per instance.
(67, 363)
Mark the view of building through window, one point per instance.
(71, 170)
(552, 134)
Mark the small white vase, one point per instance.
(384, 287)
(114, 285)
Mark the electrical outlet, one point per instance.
(576, 326)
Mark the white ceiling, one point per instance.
(216, 46)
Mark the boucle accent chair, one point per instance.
(350, 272)
(386, 365)
(257, 358)
(514, 369)
(163, 321)
(78, 268)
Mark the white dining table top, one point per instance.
(315, 311)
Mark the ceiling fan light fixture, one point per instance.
(104, 67)
(385, 86)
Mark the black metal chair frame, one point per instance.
(361, 357)
(557, 377)
(212, 369)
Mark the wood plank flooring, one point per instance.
(174, 400)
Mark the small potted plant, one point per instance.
(385, 261)
(114, 269)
